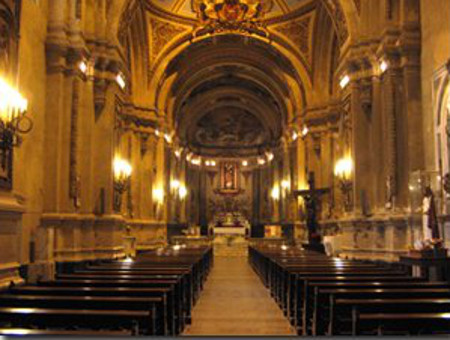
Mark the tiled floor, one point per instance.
(235, 302)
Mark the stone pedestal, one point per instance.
(10, 230)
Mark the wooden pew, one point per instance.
(135, 321)
(20, 332)
(348, 311)
(173, 308)
(326, 298)
(319, 323)
(184, 307)
(156, 305)
(414, 323)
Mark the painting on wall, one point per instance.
(229, 177)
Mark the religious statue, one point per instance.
(430, 224)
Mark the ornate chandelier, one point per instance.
(222, 16)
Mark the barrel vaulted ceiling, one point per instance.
(235, 93)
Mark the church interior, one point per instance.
(224, 167)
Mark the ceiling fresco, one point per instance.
(273, 8)
(229, 127)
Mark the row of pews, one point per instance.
(322, 295)
(152, 295)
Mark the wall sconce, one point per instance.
(343, 171)
(168, 138)
(182, 192)
(13, 119)
(175, 184)
(286, 184)
(305, 132)
(244, 163)
(345, 80)
(120, 80)
(261, 161)
(270, 156)
(196, 161)
(158, 195)
(275, 193)
(122, 175)
(383, 66)
(82, 65)
(210, 163)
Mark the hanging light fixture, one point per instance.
(13, 119)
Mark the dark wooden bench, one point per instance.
(173, 307)
(310, 315)
(181, 297)
(46, 318)
(20, 332)
(348, 310)
(414, 323)
(324, 300)
(156, 305)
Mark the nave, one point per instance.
(235, 302)
(185, 290)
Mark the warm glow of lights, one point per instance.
(189, 156)
(158, 195)
(383, 66)
(269, 156)
(294, 135)
(261, 161)
(182, 192)
(175, 184)
(157, 133)
(196, 161)
(168, 138)
(305, 131)
(344, 82)
(83, 67)
(213, 163)
(16, 331)
(286, 184)
(344, 168)
(122, 169)
(128, 260)
(120, 80)
(177, 153)
(210, 163)
(284, 247)
(176, 247)
(12, 104)
(244, 163)
(275, 193)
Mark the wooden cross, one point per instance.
(311, 197)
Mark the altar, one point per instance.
(230, 231)
(230, 235)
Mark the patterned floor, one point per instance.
(235, 302)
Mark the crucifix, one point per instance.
(311, 197)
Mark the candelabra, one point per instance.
(122, 175)
(13, 119)
(343, 172)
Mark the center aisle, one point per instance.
(235, 302)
